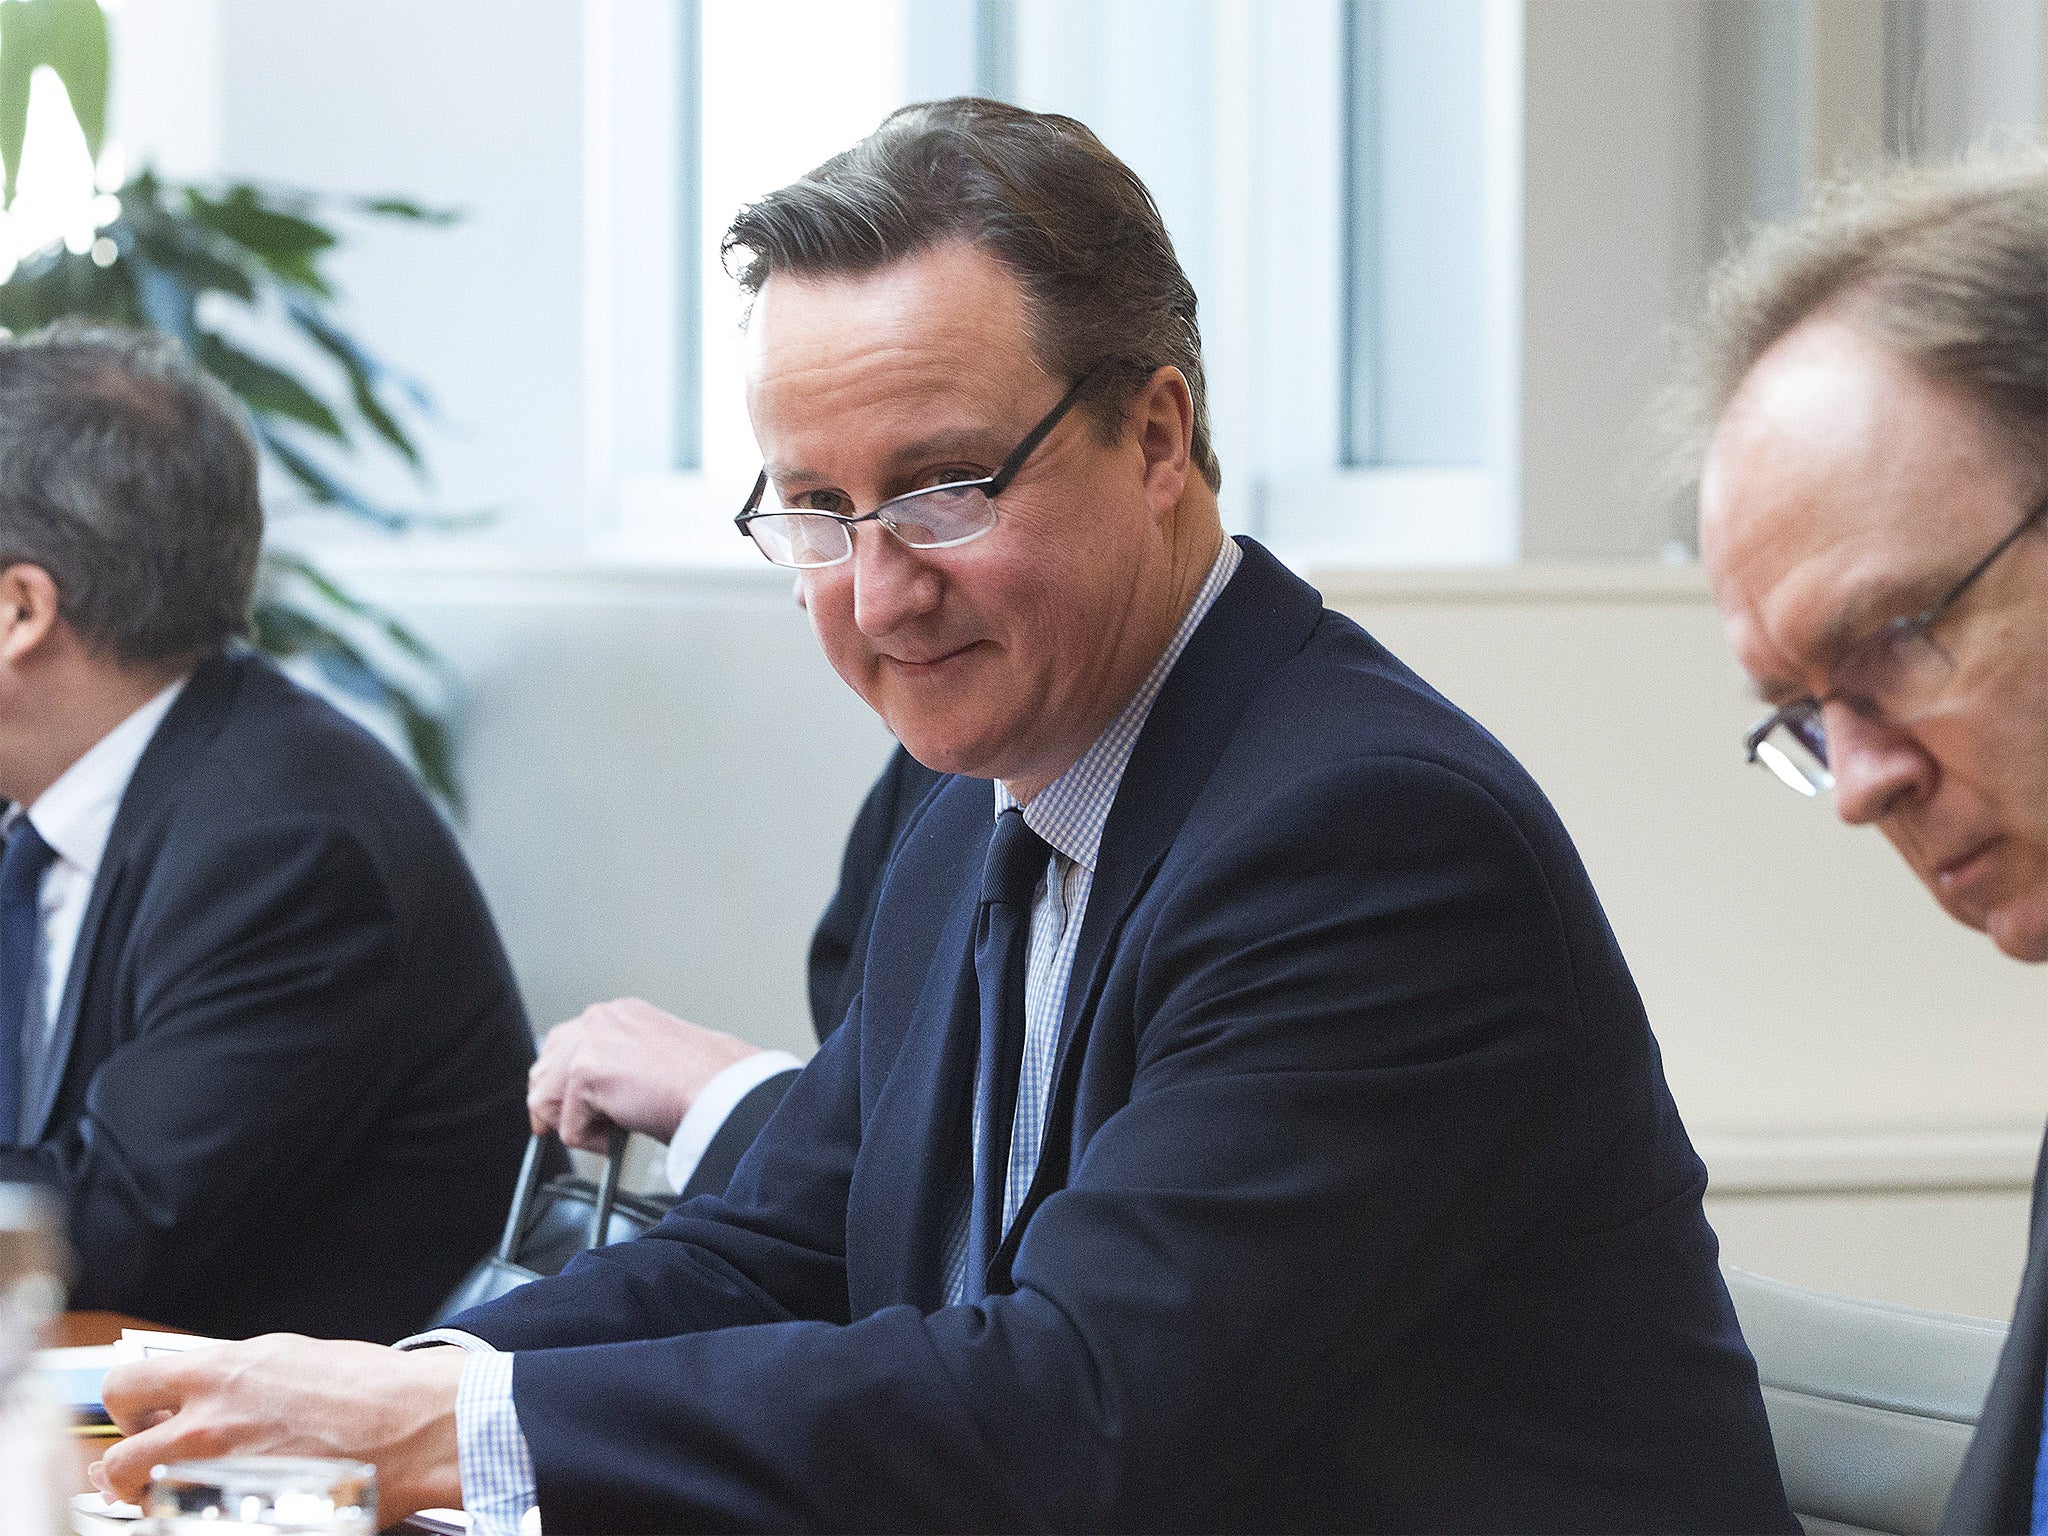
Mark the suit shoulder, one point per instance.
(1345, 703)
(258, 759)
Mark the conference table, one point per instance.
(77, 1329)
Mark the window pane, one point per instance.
(1415, 369)
(785, 85)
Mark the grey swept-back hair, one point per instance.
(1947, 264)
(129, 476)
(1039, 192)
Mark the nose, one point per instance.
(892, 585)
(1879, 768)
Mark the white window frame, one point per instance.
(1290, 401)
(1272, 307)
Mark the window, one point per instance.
(1338, 176)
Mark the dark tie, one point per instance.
(1002, 929)
(21, 927)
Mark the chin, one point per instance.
(939, 750)
(2023, 936)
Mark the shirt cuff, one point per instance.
(707, 1116)
(496, 1463)
(491, 1453)
(455, 1336)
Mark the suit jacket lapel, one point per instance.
(917, 1134)
(1265, 615)
(194, 720)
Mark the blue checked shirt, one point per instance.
(1069, 813)
(497, 1464)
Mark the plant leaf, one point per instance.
(169, 303)
(197, 263)
(54, 283)
(266, 389)
(349, 603)
(348, 669)
(70, 36)
(324, 488)
(406, 208)
(245, 215)
(22, 26)
(76, 48)
(282, 238)
(364, 373)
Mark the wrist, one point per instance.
(719, 1053)
(425, 1469)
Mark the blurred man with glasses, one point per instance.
(1870, 389)
(1246, 1120)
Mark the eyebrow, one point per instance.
(1894, 599)
(961, 443)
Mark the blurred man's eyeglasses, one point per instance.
(938, 517)
(1896, 674)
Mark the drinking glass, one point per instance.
(261, 1493)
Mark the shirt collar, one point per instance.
(75, 815)
(1069, 813)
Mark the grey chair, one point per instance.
(1871, 1405)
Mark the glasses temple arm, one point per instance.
(1956, 591)
(998, 482)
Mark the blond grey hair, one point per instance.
(1948, 264)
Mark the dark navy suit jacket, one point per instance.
(1363, 1203)
(1994, 1492)
(293, 1078)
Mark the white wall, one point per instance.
(477, 108)
(1612, 243)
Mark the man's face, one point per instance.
(1844, 489)
(1002, 658)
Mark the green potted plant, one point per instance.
(211, 265)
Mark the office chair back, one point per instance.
(1871, 1405)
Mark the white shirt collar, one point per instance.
(1071, 811)
(76, 814)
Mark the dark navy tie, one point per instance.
(21, 928)
(1002, 930)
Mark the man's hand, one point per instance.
(282, 1395)
(624, 1063)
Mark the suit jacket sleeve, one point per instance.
(266, 979)
(1356, 1058)
(735, 1133)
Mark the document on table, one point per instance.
(72, 1376)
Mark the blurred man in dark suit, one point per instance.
(1870, 391)
(255, 1024)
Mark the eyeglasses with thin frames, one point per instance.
(1897, 674)
(936, 517)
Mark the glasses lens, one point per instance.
(800, 539)
(1796, 750)
(1898, 673)
(941, 516)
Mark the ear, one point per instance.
(28, 611)
(1163, 415)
